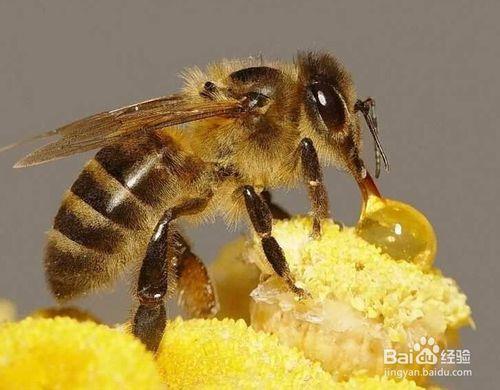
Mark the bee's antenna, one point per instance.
(367, 108)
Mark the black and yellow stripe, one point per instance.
(104, 219)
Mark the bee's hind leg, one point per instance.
(262, 221)
(157, 277)
(196, 293)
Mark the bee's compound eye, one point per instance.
(330, 105)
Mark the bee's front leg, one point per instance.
(262, 221)
(157, 277)
(313, 178)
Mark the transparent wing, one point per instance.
(99, 130)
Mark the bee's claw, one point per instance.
(300, 292)
(316, 235)
(340, 224)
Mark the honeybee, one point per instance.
(234, 131)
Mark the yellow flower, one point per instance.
(62, 353)
(75, 313)
(227, 354)
(234, 279)
(363, 300)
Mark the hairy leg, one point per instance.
(196, 293)
(157, 276)
(261, 218)
(313, 178)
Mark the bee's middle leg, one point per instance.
(157, 277)
(262, 221)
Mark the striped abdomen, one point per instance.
(105, 219)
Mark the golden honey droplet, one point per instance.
(397, 228)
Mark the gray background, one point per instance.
(433, 67)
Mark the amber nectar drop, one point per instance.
(398, 229)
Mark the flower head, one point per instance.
(341, 266)
(60, 352)
(229, 354)
(362, 300)
(66, 354)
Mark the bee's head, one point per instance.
(329, 98)
(330, 106)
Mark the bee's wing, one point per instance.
(105, 128)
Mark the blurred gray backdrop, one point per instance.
(432, 66)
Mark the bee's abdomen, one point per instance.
(84, 228)
(105, 218)
(110, 201)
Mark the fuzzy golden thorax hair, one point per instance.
(263, 149)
